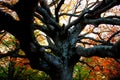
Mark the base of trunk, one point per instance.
(63, 74)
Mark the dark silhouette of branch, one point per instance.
(68, 14)
(113, 35)
(102, 21)
(99, 50)
(99, 41)
(83, 62)
(7, 5)
(78, 20)
(53, 3)
(64, 54)
(102, 7)
(6, 22)
(39, 17)
(41, 28)
(115, 49)
(57, 10)
(44, 5)
(50, 20)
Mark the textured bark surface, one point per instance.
(63, 74)
(62, 40)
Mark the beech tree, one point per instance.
(62, 52)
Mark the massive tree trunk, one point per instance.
(64, 54)
(65, 73)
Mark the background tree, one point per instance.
(61, 52)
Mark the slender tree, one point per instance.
(62, 39)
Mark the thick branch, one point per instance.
(44, 5)
(43, 66)
(7, 5)
(7, 22)
(102, 7)
(101, 51)
(102, 21)
(39, 17)
(48, 19)
(41, 28)
(57, 9)
(50, 59)
(49, 27)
